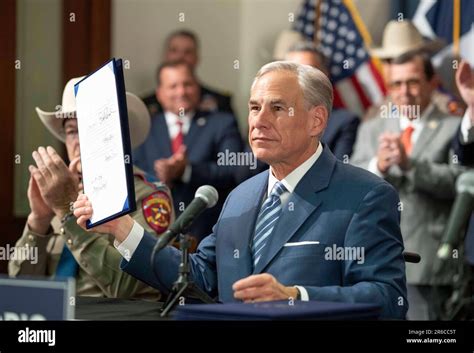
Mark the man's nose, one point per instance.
(262, 118)
(404, 89)
(181, 90)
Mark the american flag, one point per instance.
(357, 82)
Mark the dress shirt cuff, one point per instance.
(129, 245)
(304, 293)
(467, 130)
(373, 167)
(186, 177)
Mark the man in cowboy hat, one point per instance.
(64, 249)
(400, 37)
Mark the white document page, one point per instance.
(100, 136)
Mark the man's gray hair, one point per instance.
(310, 47)
(316, 87)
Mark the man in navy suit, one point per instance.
(309, 228)
(341, 129)
(184, 144)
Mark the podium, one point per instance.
(278, 310)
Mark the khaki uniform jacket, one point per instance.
(99, 274)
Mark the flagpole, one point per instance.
(362, 30)
(317, 24)
(456, 26)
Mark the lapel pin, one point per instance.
(433, 124)
(201, 121)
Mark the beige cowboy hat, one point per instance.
(286, 39)
(400, 37)
(138, 115)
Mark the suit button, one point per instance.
(62, 231)
(31, 237)
(201, 121)
(69, 242)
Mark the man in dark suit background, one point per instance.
(310, 228)
(184, 45)
(183, 147)
(341, 132)
(463, 141)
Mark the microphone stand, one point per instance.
(184, 287)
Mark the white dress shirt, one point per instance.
(172, 122)
(129, 245)
(467, 130)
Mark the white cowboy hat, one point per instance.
(138, 115)
(400, 37)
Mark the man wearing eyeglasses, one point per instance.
(409, 145)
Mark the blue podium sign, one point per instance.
(33, 299)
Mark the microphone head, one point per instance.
(465, 183)
(208, 194)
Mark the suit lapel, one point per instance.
(390, 124)
(198, 122)
(430, 128)
(245, 230)
(162, 136)
(300, 205)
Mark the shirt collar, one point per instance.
(292, 179)
(172, 117)
(416, 123)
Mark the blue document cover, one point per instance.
(278, 310)
(106, 155)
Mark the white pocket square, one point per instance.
(301, 243)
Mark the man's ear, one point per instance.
(435, 82)
(319, 120)
(158, 93)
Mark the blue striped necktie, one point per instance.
(266, 221)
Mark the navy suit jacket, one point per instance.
(335, 204)
(341, 132)
(209, 134)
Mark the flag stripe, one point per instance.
(337, 103)
(360, 92)
(378, 77)
(346, 92)
(371, 90)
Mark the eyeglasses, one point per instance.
(413, 84)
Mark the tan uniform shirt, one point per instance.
(99, 274)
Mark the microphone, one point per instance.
(460, 213)
(206, 197)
